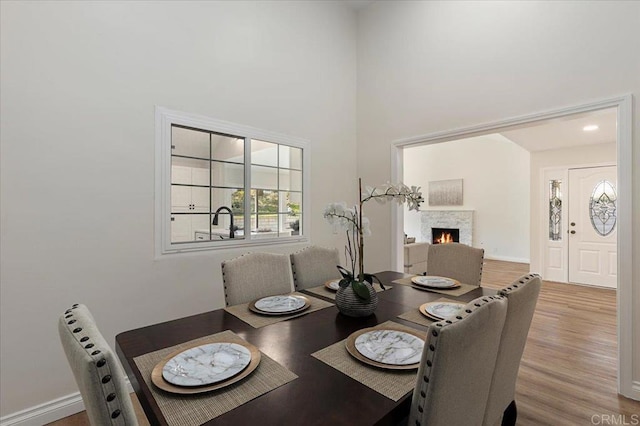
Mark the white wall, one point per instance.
(79, 84)
(495, 173)
(567, 158)
(426, 67)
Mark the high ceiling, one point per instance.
(551, 134)
(357, 4)
(566, 132)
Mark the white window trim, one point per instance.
(164, 119)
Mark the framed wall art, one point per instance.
(445, 192)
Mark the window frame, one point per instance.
(164, 119)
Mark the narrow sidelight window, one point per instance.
(555, 210)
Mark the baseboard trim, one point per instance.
(635, 390)
(48, 412)
(506, 258)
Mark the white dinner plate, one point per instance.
(206, 364)
(391, 347)
(442, 310)
(280, 304)
(434, 282)
(333, 285)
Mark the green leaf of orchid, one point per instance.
(345, 273)
(361, 290)
(344, 283)
(370, 277)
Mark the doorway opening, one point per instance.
(623, 111)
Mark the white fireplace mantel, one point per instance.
(459, 219)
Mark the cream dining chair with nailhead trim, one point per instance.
(255, 275)
(458, 261)
(313, 266)
(522, 296)
(97, 371)
(457, 365)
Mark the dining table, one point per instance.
(315, 392)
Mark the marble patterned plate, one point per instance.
(206, 364)
(159, 381)
(332, 285)
(285, 304)
(441, 310)
(389, 347)
(435, 282)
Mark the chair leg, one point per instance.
(510, 415)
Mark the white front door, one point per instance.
(592, 226)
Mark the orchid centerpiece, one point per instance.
(350, 220)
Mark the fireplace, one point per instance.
(445, 235)
(462, 220)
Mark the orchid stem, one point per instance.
(360, 233)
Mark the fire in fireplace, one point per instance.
(445, 235)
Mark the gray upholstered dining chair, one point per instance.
(458, 261)
(255, 275)
(457, 365)
(415, 258)
(522, 296)
(96, 369)
(313, 266)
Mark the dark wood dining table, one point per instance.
(321, 395)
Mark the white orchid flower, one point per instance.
(368, 192)
(343, 218)
(366, 229)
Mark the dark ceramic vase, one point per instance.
(350, 304)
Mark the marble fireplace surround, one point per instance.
(460, 219)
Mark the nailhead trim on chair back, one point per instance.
(96, 370)
(423, 396)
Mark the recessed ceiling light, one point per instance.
(590, 128)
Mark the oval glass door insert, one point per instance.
(602, 208)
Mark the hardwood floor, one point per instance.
(569, 366)
(568, 370)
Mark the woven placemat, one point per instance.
(257, 320)
(192, 410)
(321, 290)
(393, 384)
(414, 315)
(463, 289)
